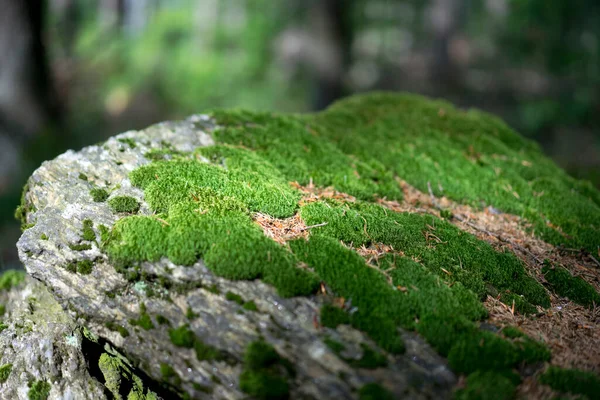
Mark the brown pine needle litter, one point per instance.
(571, 331)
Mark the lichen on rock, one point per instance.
(167, 250)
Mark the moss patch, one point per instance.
(99, 195)
(88, 230)
(374, 391)
(124, 204)
(5, 371)
(184, 337)
(117, 328)
(39, 390)
(572, 381)
(362, 146)
(144, 321)
(265, 373)
(567, 285)
(11, 278)
(487, 385)
(119, 374)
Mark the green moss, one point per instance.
(332, 316)
(104, 234)
(110, 367)
(572, 381)
(234, 297)
(144, 321)
(128, 141)
(370, 359)
(2, 309)
(334, 345)
(27, 226)
(117, 328)
(25, 208)
(3, 326)
(214, 289)
(162, 154)
(205, 352)
(190, 314)
(5, 371)
(182, 337)
(444, 249)
(124, 204)
(99, 195)
(80, 246)
(11, 278)
(374, 391)
(487, 385)
(39, 390)
(566, 285)
(264, 375)
(250, 306)
(43, 236)
(161, 320)
(169, 374)
(231, 245)
(83, 176)
(88, 230)
(85, 267)
(362, 146)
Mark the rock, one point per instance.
(181, 250)
(41, 347)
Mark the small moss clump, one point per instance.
(117, 328)
(182, 337)
(264, 375)
(128, 141)
(39, 390)
(85, 267)
(334, 345)
(11, 278)
(83, 176)
(80, 246)
(374, 391)
(572, 381)
(3, 326)
(234, 297)
(332, 316)
(88, 230)
(124, 204)
(161, 320)
(250, 306)
(99, 195)
(487, 385)
(43, 236)
(169, 374)
(144, 321)
(370, 359)
(567, 285)
(5, 371)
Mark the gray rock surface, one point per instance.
(41, 343)
(105, 301)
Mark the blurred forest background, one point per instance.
(74, 72)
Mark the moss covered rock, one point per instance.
(301, 236)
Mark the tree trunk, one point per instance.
(27, 100)
(330, 23)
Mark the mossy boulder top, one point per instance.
(379, 249)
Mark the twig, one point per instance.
(314, 226)
(433, 199)
(594, 259)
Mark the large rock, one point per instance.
(152, 243)
(41, 346)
